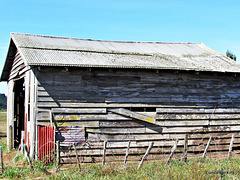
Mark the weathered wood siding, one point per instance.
(200, 105)
(68, 89)
(18, 69)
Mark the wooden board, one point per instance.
(134, 115)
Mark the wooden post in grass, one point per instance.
(206, 149)
(22, 141)
(127, 151)
(28, 158)
(58, 154)
(230, 147)
(1, 157)
(10, 138)
(79, 166)
(146, 154)
(185, 148)
(104, 151)
(172, 152)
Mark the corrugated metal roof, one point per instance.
(60, 51)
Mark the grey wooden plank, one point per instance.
(197, 110)
(79, 110)
(119, 124)
(134, 115)
(192, 116)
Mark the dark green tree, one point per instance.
(3, 101)
(231, 55)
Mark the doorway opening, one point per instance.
(19, 109)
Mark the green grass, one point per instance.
(193, 169)
(3, 129)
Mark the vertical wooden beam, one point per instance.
(206, 149)
(104, 151)
(172, 152)
(26, 106)
(145, 155)
(1, 157)
(33, 107)
(51, 118)
(58, 154)
(185, 148)
(10, 138)
(10, 115)
(78, 162)
(230, 146)
(127, 151)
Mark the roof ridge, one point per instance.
(117, 41)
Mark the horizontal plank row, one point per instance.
(192, 116)
(79, 110)
(116, 122)
(77, 104)
(163, 130)
(80, 88)
(95, 137)
(197, 110)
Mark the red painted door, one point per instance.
(46, 143)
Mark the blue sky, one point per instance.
(212, 22)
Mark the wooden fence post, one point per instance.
(172, 152)
(230, 146)
(146, 154)
(127, 151)
(104, 152)
(58, 154)
(1, 157)
(10, 138)
(79, 166)
(22, 141)
(206, 149)
(185, 148)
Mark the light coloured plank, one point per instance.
(66, 123)
(132, 114)
(181, 117)
(197, 110)
(79, 110)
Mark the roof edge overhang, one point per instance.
(8, 61)
(12, 48)
(134, 67)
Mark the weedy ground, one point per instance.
(193, 169)
(198, 169)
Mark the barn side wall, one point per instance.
(179, 103)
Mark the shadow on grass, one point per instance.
(2, 134)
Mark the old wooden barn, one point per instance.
(86, 92)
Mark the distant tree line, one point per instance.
(3, 102)
(231, 55)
